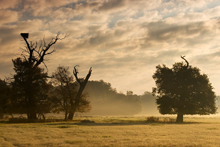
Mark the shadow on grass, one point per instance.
(86, 122)
(92, 123)
(19, 120)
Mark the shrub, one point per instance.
(152, 119)
(157, 119)
(87, 121)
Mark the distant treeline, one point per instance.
(105, 100)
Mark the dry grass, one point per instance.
(112, 131)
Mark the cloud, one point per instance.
(191, 16)
(44, 7)
(213, 13)
(120, 39)
(187, 34)
(8, 16)
(10, 34)
(6, 69)
(112, 4)
(5, 4)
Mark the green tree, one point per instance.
(29, 89)
(29, 80)
(182, 89)
(4, 98)
(65, 91)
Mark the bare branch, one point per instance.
(75, 72)
(64, 37)
(40, 49)
(28, 45)
(187, 63)
(24, 57)
(29, 48)
(45, 66)
(47, 47)
(25, 50)
(50, 52)
(89, 74)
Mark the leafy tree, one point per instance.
(4, 98)
(29, 80)
(29, 89)
(65, 91)
(182, 89)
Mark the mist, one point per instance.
(105, 100)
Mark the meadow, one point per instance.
(113, 131)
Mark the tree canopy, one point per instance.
(30, 89)
(4, 98)
(182, 89)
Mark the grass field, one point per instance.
(112, 131)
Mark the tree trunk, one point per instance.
(71, 114)
(66, 114)
(77, 100)
(32, 114)
(179, 118)
(1, 115)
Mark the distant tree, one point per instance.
(105, 100)
(130, 93)
(29, 79)
(4, 98)
(65, 91)
(182, 89)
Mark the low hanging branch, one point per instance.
(187, 63)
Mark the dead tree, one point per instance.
(82, 85)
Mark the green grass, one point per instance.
(112, 131)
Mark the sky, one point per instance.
(122, 40)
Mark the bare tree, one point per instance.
(36, 53)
